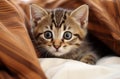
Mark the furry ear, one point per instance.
(81, 15)
(36, 12)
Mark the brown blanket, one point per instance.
(17, 55)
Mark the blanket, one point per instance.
(18, 59)
(56, 68)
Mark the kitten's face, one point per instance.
(59, 31)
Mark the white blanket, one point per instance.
(106, 68)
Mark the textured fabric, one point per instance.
(56, 68)
(18, 59)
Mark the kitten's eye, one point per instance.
(48, 34)
(67, 35)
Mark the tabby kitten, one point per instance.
(62, 33)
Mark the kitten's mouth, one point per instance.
(57, 50)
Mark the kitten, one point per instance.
(62, 33)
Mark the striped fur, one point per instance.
(67, 30)
(58, 17)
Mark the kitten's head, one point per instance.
(59, 31)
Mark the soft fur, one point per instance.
(66, 32)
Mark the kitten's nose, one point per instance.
(57, 44)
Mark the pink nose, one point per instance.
(57, 46)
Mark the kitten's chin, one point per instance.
(58, 53)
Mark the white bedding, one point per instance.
(56, 68)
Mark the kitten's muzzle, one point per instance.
(57, 44)
(56, 47)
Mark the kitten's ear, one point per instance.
(37, 12)
(81, 15)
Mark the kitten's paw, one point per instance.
(89, 59)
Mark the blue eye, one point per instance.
(48, 34)
(67, 35)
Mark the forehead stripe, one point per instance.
(53, 18)
(58, 17)
(63, 18)
(65, 27)
(51, 27)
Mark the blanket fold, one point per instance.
(18, 59)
